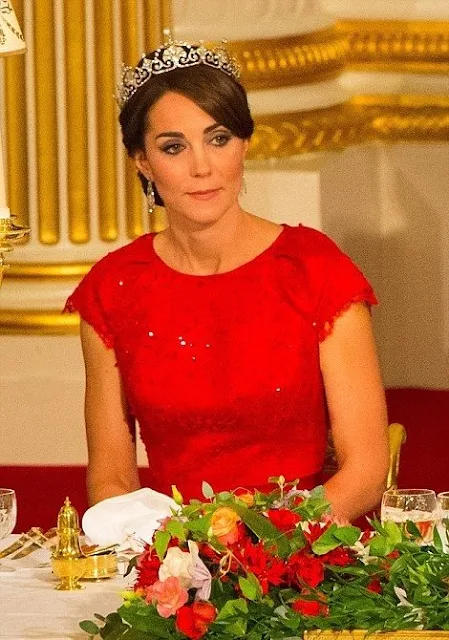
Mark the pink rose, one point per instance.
(168, 595)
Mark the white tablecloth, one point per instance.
(31, 608)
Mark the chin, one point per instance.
(203, 213)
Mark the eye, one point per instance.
(221, 138)
(172, 148)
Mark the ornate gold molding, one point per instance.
(34, 322)
(292, 60)
(363, 119)
(398, 46)
(48, 270)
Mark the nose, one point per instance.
(200, 165)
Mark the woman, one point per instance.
(232, 340)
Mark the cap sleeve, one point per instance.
(343, 285)
(90, 301)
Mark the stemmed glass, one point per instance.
(443, 520)
(8, 515)
(416, 505)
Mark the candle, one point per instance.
(2, 185)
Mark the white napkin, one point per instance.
(131, 518)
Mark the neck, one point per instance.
(210, 249)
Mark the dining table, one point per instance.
(31, 607)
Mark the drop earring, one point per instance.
(151, 201)
(243, 187)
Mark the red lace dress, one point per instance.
(222, 371)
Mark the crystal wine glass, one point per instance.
(8, 515)
(443, 519)
(416, 505)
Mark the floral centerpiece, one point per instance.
(267, 566)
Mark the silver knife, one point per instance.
(18, 544)
(42, 540)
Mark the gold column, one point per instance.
(157, 17)
(152, 24)
(131, 54)
(106, 120)
(76, 118)
(46, 118)
(16, 138)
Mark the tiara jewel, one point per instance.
(173, 54)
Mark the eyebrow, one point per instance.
(179, 134)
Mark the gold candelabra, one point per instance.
(11, 41)
(9, 233)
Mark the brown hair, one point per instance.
(216, 93)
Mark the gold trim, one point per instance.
(33, 322)
(292, 60)
(76, 122)
(363, 119)
(385, 635)
(48, 270)
(397, 46)
(46, 117)
(16, 133)
(106, 121)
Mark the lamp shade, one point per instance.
(11, 38)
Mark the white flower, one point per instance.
(201, 579)
(178, 564)
(401, 595)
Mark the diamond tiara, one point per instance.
(173, 54)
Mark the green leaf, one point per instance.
(224, 496)
(146, 618)
(250, 587)
(412, 529)
(380, 546)
(176, 529)
(207, 490)
(233, 617)
(393, 531)
(437, 542)
(161, 540)
(264, 529)
(327, 541)
(348, 535)
(89, 627)
(199, 525)
(249, 590)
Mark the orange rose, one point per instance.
(245, 496)
(224, 525)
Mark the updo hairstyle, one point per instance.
(212, 90)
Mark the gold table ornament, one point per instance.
(407, 634)
(68, 561)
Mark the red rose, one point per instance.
(315, 530)
(338, 557)
(147, 569)
(283, 519)
(193, 621)
(310, 607)
(375, 586)
(306, 569)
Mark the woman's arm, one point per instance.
(357, 413)
(112, 463)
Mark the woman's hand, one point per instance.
(112, 463)
(357, 413)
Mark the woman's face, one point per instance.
(196, 163)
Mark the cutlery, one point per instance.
(42, 541)
(24, 538)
